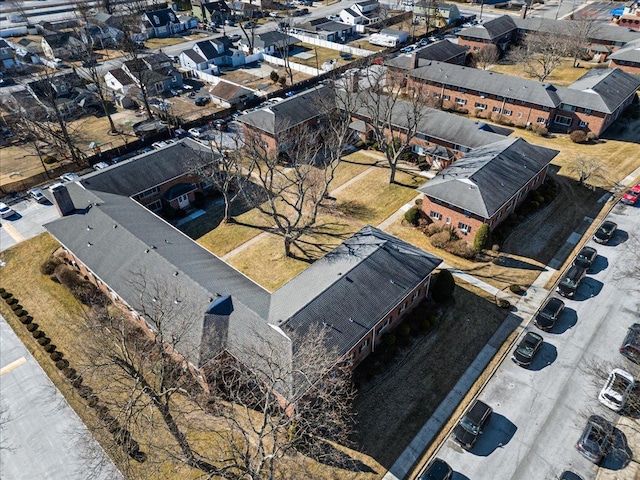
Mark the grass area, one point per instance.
(154, 43)
(565, 74)
(321, 55)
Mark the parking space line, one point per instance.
(11, 230)
(13, 365)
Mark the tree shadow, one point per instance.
(509, 262)
(355, 208)
(600, 264)
(496, 434)
(325, 453)
(546, 356)
(619, 455)
(568, 319)
(589, 288)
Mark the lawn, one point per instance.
(320, 55)
(565, 74)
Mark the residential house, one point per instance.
(211, 12)
(627, 58)
(438, 14)
(159, 81)
(216, 52)
(20, 100)
(356, 293)
(160, 23)
(67, 91)
(275, 126)
(188, 22)
(366, 7)
(441, 51)
(591, 103)
(499, 31)
(273, 42)
(7, 55)
(361, 13)
(486, 185)
(227, 94)
(325, 29)
(192, 60)
(352, 17)
(100, 36)
(106, 19)
(241, 10)
(119, 81)
(64, 45)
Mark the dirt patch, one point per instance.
(392, 406)
(542, 235)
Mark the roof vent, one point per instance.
(115, 226)
(175, 274)
(89, 244)
(146, 250)
(89, 228)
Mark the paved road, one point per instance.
(26, 223)
(540, 412)
(41, 436)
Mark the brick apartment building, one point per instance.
(486, 185)
(627, 58)
(499, 31)
(592, 103)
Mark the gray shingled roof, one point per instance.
(440, 51)
(601, 90)
(603, 31)
(208, 49)
(629, 53)
(123, 77)
(491, 29)
(195, 56)
(352, 287)
(274, 38)
(488, 177)
(290, 112)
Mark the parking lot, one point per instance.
(540, 412)
(26, 223)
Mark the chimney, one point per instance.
(62, 199)
(353, 80)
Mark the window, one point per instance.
(403, 307)
(463, 90)
(148, 193)
(155, 206)
(562, 120)
(448, 221)
(587, 111)
(159, 87)
(584, 124)
(519, 114)
(446, 97)
(496, 109)
(382, 328)
(464, 228)
(436, 95)
(480, 106)
(507, 112)
(541, 120)
(461, 101)
(364, 345)
(567, 108)
(436, 215)
(415, 295)
(544, 107)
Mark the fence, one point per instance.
(294, 66)
(332, 45)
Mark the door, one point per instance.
(183, 201)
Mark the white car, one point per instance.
(615, 392)
(196, 132)
(37, 195)
(100, 166)
(6, 211)
(69, 177)
(159, 145)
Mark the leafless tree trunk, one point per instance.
(540, 53)
(141, 75)
(578, 35)
(486, 57)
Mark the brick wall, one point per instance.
(475, 45)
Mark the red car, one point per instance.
(631, 196)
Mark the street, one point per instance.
(540, 412)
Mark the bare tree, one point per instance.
(577, 37)
(392, 113)
(588, 168)
(486, 57)
(540, 53)
(139, 70)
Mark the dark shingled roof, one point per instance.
(441, 51)
(274, 37)
(491, 29)
(208, 49)
(601, 90)
(123, 77)
(195, 56)
(488, 177)
(160, 18)
(629, 53)
(352, 287)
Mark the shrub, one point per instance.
(93, 401)
(542, 131)
(62, 364)
(50, 348)
(44, 340)
(578, 136)
(18, 312)
(69, 372)
(439, 240)
(432, 229)
(2, 290)
(16, 306)
(444, 286)
(482, 239)
(49, 159)
(55, 356)
(389, 339)
(32, 327)
(21, 313)
(404, 330)
(502, 303)
(89, 294)
(274, 77)
(11, 301)
(412, 215)
(26, 320)
(49, 266)
(418, 201)
(591, 137)
(534, 205)
(461, 249)
(77, 382)
(38, 334)
(67, 275)
(515, 288)
(85, 391)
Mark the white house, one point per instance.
(119, 81)
(366, 6)
(161, 23)
(351, 17)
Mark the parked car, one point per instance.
(171, 141)
(618, 387)
(221, 124)
(568, 475)
(437, 470)
(423, 42)
(37, 195)
(569, 284)
(197, 132)
(144, 150)
(159, 145)
(595, 438)
(248, 25)
(408, 49)
(527, 349)
(202, 101)
(69, 177)
(586, 257)
(101, 165)
(469, 427)
(180, 133)
(549, 314)
(6, 211)
(605, 232)
(631, 196)
(235, 38)
(176, 91)
(630, 347)
(274, 14)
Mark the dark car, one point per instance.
(221, 125)
(437, 470)
(567, 475)
(549, 314)
(235, 37)
(605, 232)
(470, 425)
(248, 25)
(202, 101)
(595, 438)
(630, 347)
(586, 257)
(571, 281)
(527, 349)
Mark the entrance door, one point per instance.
(183, 201)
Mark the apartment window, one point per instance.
(544, 107)
(587, 111)
(584, 124)
(541, 120)
(496, 109)
(461, 101)
(562, 120)
(463, 227)
(519, 114)
(463, 90)
(403, 307)
(383, 327)
(507, 112)
(148, 193)
(364, 345)
(155, 206)
(481, 106)
(436, 215)
(510, 100)
(415, 295)
(436, 95)
(159, 87)
(567, 108)
(446, 97)
(174, 79)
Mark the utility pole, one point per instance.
(481, 8)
